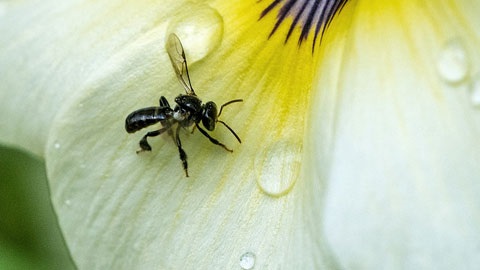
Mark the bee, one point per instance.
(188, 111)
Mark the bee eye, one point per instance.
(209, 117)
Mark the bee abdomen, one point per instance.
(143, 118)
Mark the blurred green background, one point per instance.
(29, 234)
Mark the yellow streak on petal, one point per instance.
(275, 81)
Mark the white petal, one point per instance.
(122, 210)
(49, 51)
(403, 154)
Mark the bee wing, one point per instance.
(179, 62)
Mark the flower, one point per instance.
(357, 149)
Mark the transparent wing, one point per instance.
(179, 62)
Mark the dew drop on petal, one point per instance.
(278, 168)
(453, 64)
(475, 91)
(200, 29)
(68, 202)
(247, 261)
(56, 145)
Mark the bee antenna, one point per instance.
(231, 130)
(228, 103)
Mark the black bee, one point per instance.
(188, 111)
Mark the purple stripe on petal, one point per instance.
(312, 16)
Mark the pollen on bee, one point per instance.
(179, 115)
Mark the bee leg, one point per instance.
(183, 155)
(212, 140)
(144, 146)
(163, 102)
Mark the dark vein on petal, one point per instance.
(308, 24)
(295, 21)
(282, 15)
(320, 22)
(269, 8)
(312, 16)
(331, 13)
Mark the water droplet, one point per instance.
(56, 145)
(278, 167)
(247, 260)
(200, 32)
(68, 202)
(475, 91)
(453, 63)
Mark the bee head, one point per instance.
(209, 115)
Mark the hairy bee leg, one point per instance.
(212, 140)
(144, 146)
(183, 155)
